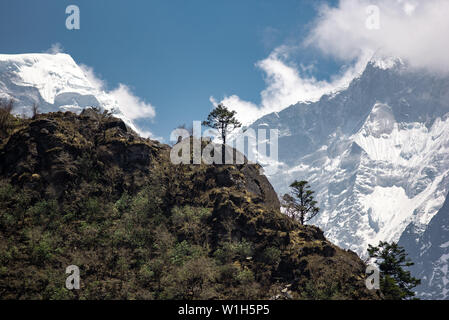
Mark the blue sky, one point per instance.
(173, 54)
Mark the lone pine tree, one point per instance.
(395, 282)
(222, 119)
(300, 204)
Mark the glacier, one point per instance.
(377, 155)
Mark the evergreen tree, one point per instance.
(395, 282)
(300, 204)
(222, 119)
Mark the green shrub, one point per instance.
(183, 251)
(7, 192)
(146, 274)
(245, 276)
(228, 273)
(194, 280)
(272, 256)
(234, 250)
(44, 212)
(42, 251)
(189, 223)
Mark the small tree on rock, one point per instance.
(222, 119)
(300, 204)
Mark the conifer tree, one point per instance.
(300, 204)
(396, 283)
(222, 119)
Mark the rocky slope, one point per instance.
(86, 190)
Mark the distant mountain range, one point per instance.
(377, 154)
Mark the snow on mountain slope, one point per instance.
(431, 255)
(53, 81)
(376, 153)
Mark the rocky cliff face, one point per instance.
(86, 190)
(56, 149)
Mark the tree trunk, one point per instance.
(223, 149)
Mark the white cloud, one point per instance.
(55, 48)
(94, 80)
(129, 105)
(286, 85)
(132, 106)
(416, 31)
(409, 8)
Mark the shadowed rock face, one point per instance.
(63, 157)
(55, 146)
(259, 185)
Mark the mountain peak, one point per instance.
(51, 74)
(382, 61)
(375, 153)
(55, 82)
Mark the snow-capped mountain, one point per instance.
(54, 82)
(377, 155)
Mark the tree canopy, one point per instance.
(396, 283)
(300, 204)
(222, 119)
